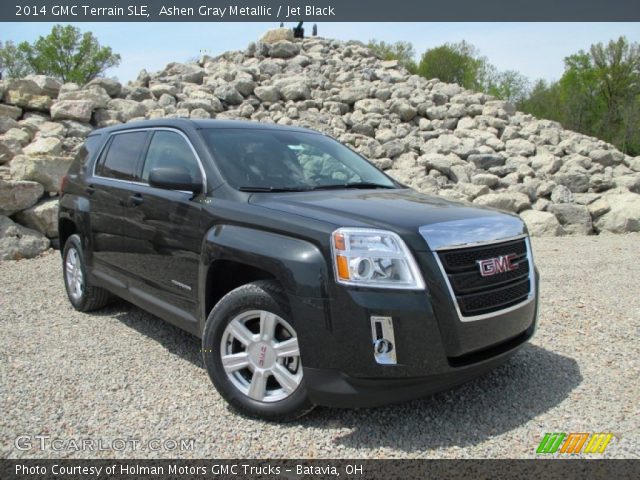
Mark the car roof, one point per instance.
(203, 124)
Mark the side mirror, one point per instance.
(175, 178)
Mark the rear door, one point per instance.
(165, 227)
(108, 190)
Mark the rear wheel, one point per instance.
(82, 295)
(251, 352)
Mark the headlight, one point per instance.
(374, 258)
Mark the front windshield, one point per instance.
(286, 160)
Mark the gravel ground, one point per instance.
(122, 374)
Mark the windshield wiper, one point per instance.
(274, 189)
(339, 186)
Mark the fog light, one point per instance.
(384, 348)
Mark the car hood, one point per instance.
(405, 211)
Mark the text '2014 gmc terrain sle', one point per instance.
(311, 276)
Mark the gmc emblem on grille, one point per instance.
(493, 266)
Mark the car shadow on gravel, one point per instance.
(534, 381)
(175, 340)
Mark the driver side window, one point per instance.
(169, 149)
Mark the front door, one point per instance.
(166, 235)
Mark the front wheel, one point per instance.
(251, 352)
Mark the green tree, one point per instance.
(543, 101)
(401, 51)
(598, 94)
(507, 85)
(13, 61)
(66, 53)
(454, 63)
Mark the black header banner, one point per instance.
(318, 10)
(551, 469)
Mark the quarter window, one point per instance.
(122, 157)
(170, 150)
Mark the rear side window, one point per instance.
(170, 149)
(121, 160)
(86, 153)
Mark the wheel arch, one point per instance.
(239, 255)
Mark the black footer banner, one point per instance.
(543, 469)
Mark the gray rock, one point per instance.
(9, 148)
(18, 195)
(370, 105)
(267, 93)
(183, 72)
(228, 94)
(561, 194)
(404, 110)
(283, 49)
(18, 242)
(48, 171)
(112, 86)
(487, 179)
(623, 215)
(79, 110)
(574, 218)
(576, 180)
(542, 224)
(509, 201)
(630, 182)
(42, 217)
(48, 85)
(486, 161)
(606, 158)
(127, 109)
(520, 147)
(27, 94)
(277, 35)
(44, 146)
(10, 111)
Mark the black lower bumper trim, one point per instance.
(333, 388)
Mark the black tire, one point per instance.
(265, 296)
(88, 297)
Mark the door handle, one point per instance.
(90, 189)
(135, 200)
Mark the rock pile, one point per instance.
(436, 137)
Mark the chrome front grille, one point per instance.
(478, 296)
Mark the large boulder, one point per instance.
(79, 110)
(110, 85)
(127, 109)
(18, 242)
(48, 85)
(183, 72)
(46, 170)
(10, 111)
(542, 224)
(16, 195)
(283, 49)
(623, 215)
(276, 35)
(575, 219)
(509, 201)
(44, 146)
(9, 148)
(27, 94)
(267, 93)
(95, 94)
(42, 217)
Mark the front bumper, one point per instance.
(435, 350)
